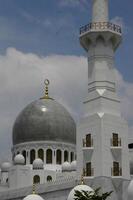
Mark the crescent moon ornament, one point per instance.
(46, 82)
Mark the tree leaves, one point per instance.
(91, 195)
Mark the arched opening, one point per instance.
(41, 154)
(36, 179)
(65, 156)
(49, 156)
(32, 156)
(24, 154)
(49, 178)
(7, 180)
(72, 156)
(58, 156)
(100, 39)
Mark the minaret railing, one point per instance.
(100, 26)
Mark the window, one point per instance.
(49, 178)
(32, 156)
(58, 156)
(116, 169)
(49, 156)
(115, 139)
(36, 179)
(65, 156)
(72, 156)
(88, 140)
(88, 169)
(41, 154)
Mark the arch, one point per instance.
(100, 38)
(24, 154)
(65, 156)
(49, 178)
(72, 156)
(113, 40)
(32, 156)
(41, 154)
(36, 179)
(49, 154)
(58, 156)
(7, 180)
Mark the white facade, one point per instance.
(102, 134)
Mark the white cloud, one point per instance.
(21, 81)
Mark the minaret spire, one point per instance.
(99, 10)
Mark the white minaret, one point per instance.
(102, 133)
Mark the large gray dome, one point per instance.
(44, 120)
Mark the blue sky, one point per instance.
(39, 39)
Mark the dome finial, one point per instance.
(82, 179)
(46, 82)
(33, 189)
(46, 96)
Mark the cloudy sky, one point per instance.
(38, 40)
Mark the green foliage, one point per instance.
(92, 195)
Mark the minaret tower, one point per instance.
(102, 134)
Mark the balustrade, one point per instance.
(100, 26)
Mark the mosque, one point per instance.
(51, 153)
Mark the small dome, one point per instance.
(19, 159)
(130, 190)
(5, 166)
(44, 120)
(33, 197)
(74, 165)
(38, 164)
(79, 188)
(66, 166)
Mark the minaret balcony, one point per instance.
(100, 26)
(116, 172)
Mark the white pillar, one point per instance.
(100, 11)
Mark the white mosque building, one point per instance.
(51, 152)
